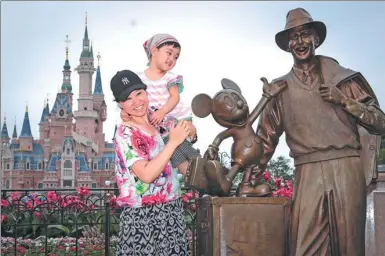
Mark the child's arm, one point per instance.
(168, 107)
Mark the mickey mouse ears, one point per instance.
(229, 84)
(201, 105)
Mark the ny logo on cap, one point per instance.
(125, 81)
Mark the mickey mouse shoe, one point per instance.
(217, 181)
(196, 175)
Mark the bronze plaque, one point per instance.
(230, 226)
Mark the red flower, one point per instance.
(52, 196)
(4, 203)
(267, 176)
(37, 214)
(21, 249)
(278, 182)
(83, 191)
(3, 218)
(142, 144)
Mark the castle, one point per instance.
(71, 150)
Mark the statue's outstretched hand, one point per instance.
(274, 88)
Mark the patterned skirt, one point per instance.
(156, 230)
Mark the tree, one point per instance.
(280, 167)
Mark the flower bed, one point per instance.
(62, 246)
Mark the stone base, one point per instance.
(242, 226)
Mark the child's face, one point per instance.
(165, 58)
(136, 103)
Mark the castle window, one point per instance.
(27, 166)
(106, 166)
(68, 151)
(8, 167)
(39, 166)
(95, 166)
(67, 164)
(39, 185)
(85, 108)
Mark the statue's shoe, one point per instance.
(248, 190)
(196, 175)
(217, 181)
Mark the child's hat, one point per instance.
(157, 40)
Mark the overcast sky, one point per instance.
(219, 39)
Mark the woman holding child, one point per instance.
(152, 218)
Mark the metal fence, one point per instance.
(68, 221)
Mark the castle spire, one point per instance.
(86, 43)
(66, 86)
(44, 114)
(4, 130)
(14, 134)
(98, 81)
(26, 128)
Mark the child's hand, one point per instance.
(179, 133)
(192, 130)
(157, 117)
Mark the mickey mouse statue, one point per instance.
(229, 109)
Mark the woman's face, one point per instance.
(136, 103)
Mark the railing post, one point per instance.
(107, 226)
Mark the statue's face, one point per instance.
(229, 107)
(302, 43)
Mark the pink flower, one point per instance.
(278, 182)
(142, 144)
(15, 196)
(3, 218)
(4, 203)
(52, 196)
(83, 191)
(37, 214)
(267, 176)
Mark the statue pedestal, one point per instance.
(247, 226)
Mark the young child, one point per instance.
(151, 222)
(164, 88)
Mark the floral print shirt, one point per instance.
(131, 145)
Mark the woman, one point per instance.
(151, 222)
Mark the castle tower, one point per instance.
(86, 116)
(26, 137)
(44, 124)
(14, 134)
(66, 86)
(99, 103)
(61, 116)
(4, 133)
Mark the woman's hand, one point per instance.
(179, 133)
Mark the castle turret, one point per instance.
(14, 134)
(44, 125)
(26, 137)
(66, 86)
(86, 117)
(99, 103)
(4, 133)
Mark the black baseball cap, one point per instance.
(125, 82)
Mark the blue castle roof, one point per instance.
(26, 129)
(98, 90)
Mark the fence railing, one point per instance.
(68, 221)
